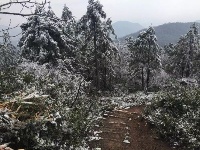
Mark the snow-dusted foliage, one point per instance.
(9, 82)
(69, 30)
(145, 58)
(43, 38)
(57, 81)
(8, 53)
(8, 62)
(97, 49)
(176, 115)
(68, 22)
(61, 112)
(123, 77)
(67, 14)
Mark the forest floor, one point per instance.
(126, 129)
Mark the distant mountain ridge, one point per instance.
(123, 28)
(167, 33)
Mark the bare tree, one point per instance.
(25, 4)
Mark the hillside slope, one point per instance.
(167, 33)
(123, 28)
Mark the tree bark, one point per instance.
(142, 74)
(105, 76)
(148, 78)
(148, 68)
(96, 58)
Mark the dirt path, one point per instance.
(126, 130)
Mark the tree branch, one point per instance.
(16, 14)
(22, 2)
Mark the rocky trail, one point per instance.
(125, 129)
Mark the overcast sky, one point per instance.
(145, 12)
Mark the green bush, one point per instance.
(176, 115)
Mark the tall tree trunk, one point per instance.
(148, 77)
(105, 78)
(105, 74)
(182, 71)
(96, 58)
(189, 71)
(110, 81)
(142, 74)
(148, 68)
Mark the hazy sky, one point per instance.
(145, 12)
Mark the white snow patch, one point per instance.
(126, 128)
(95, 138)
(126, 141)
(97, 132)
(112, 122)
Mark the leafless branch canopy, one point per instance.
(24, 4)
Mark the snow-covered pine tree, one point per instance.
(193, 51)
(43, 39)
(145, 59)
(97, 49)
(179, 58)
(185, 56)
(167, 58)
(69, 30)
(67, 14)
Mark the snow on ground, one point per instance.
(130, 100)
(92, 138)
(126, 141)
(95, 136)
